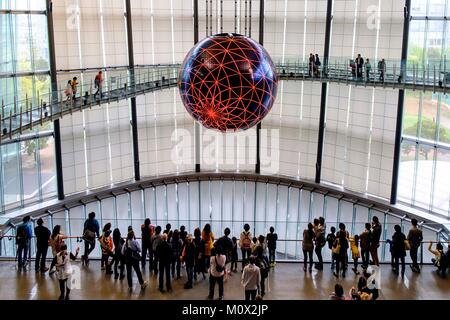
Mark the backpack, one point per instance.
(21, 234)
(218, 267)
(130, 254)
(247, 242)
(336, 246)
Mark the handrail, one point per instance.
(19, 115)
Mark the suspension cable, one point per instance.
(210, 17)
(245, 18)
(235, 16)
(207, 25)
(221, 16)
(250, 19)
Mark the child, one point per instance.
(68, 91)
(74, 85)
(354, 244)
(272, 246)
(234, 255)
(330, 239)
(106, 244)
(64, 269)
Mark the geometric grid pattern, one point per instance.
(228, 82)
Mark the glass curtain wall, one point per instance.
(424, 179)
(27, 169)
(231, 204)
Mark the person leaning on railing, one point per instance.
(90, 230)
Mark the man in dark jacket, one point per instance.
(164, 252)
(359, 66)
(24, 233)
(364, 242)
(225, 244)
(147, 231)
(375, 240)
(90, 230)
(398, 249)
(42, 236)
(415, 238)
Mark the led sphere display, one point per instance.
(228, 82)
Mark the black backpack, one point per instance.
(21, 234)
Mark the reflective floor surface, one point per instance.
(287, 281)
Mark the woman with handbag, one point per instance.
(399, 249)
(217, 272)
(91, 228)
(131, 250)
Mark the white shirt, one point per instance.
(221, 259)
(65, 268)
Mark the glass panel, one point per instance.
(411, 113)
(435, 41)
(424, 176)
(48, 166)
(30, 170)
(429, 116)
(444, 119)
(436, 8)
(11, 174)
(407, 171)
(416, 41)
(418, 8)
(441, 192)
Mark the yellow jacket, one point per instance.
(354, 248)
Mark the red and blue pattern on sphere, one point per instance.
(228, 82)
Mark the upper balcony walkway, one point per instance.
(18, 116)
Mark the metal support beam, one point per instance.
(134, 125)
(323, 100)
(258, 127)
(54, 88)
(197, 145)
(401, 101)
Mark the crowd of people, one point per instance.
(169, 251)
(363, 68)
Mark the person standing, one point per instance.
(245, 243)
(164, 253)
(263, 264)
(320, 241)
(382, 69)
(226, 244)
(168, 231)
(368, 69)
(177, 247)
(147, 231)
(91, 228)
(156, 240)
(99, 84)
(42, 238)
(311, 64)
(331, 237)
(188, 257)
(251, 278)
(359, 66)
(208, 237)
(68, 91)
(24, 233)
(308, 247)
(200, 265)
(354, 248)
(106, 244)
(317, 65)
(272, 239)
(56, 240)
(375, 240)
(216, 273)
(74, 85)
(415, 238)
(364, 242)
(398, 249)
(342, 242)
(131, 251)
(234, 255)
(119, 258)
